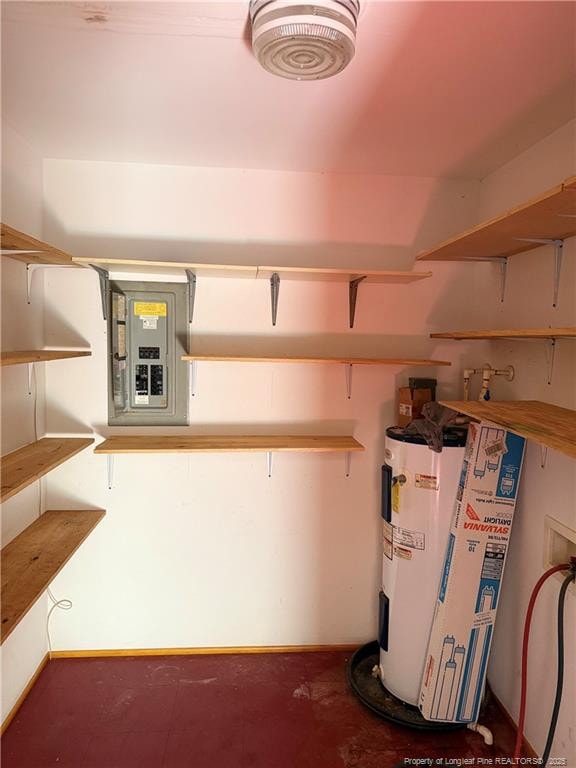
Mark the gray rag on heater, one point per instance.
(435, 419)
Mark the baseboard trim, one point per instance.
(12, 714)
(87, 654)
(527, 748)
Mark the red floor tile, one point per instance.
(209, 707)
(144, 709)
(62, 709)
(59, 747)
(228, 711)
(200, 749)
(132, 672)
(126, 750)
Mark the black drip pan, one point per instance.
(372, 693)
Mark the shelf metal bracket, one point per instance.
(502, 261)
(191, 277)
(31, 270)
(274, 294)
(104, 280)
(30, 374)
(503, 271)
(558, 251)
(269, 457)
(551, 356)
(348, 460)
(352, 296)
(348, 372)
(543, 455)
(193, 377)
(110, 469)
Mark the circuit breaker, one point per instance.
(148, 331)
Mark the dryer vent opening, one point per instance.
(304, 40)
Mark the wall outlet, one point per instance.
(559, 546)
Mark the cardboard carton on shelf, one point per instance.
(412, 398)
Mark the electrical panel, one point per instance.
(148, 332)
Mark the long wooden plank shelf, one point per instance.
(28, 249)
(509, 333)
(226, 443)
(170, 268)
(549, 425)
(31, 462)
(312, 359)
(39, 355)
(548, 216)
(326, 274)
(32, 560)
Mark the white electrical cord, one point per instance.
(64, 604)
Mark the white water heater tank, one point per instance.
(419, 489)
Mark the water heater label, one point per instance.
(406, 538)
(405, 554)
(426, 481)
(387, 539)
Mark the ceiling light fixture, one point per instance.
(304, 40)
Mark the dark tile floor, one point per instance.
(290, 710)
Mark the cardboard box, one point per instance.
(410, 402)
(461, 635)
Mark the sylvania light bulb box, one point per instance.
(461, 633)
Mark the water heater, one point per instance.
(418, 494)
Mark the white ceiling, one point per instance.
(436, 89)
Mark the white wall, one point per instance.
(207, 550)
(247, 216)
(544, 491)
(22, 328)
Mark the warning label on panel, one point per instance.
(150, 308)
(141, 400)
(426, 481)
(149, 323)
(412, 539)
(387, 539)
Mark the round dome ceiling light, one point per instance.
(304, 40)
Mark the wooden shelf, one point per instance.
(226, 443)
(549, 425)
(32, 560)
(31, 462)
(170, 268)
(254, 271)
(39, 355)
(509, 333)
(224, 358)
(341, 275)
(546, 216)
(28, 249)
